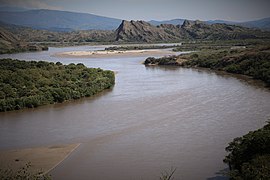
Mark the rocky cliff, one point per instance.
(140, 31)
(201, 30)
(12, 37)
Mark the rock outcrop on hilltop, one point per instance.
(201, 30)
(140, 31)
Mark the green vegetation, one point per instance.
(22, 174)
(254, 62)
(200, 45)
(140, 47)
(31, 84)
(10, 50)
(249, 156)
(251, 62)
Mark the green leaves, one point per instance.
(249, 156)
(31, 84)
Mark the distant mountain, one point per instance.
(262, 24)
(220, 22)
(12, 9)
(173, 21)
(140, 31)
(181, 21)
(59, 20)
(35, 36)
(130, 31)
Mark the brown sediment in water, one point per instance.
(41, 158)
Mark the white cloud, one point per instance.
(31, 4)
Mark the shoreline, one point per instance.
(42, 159)
(114, 53)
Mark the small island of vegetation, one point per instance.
(30, 84)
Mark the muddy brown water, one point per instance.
(153, 119)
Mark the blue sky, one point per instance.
(232, 10)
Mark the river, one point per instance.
(153, 119)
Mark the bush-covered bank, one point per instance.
(199, 45)
(30, 84)
(254, 62)
(249, 156)
(139, 47)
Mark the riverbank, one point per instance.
(253, 62)
(167, 122)
(114, 53)
(41, 158)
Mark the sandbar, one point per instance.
(41, 158)
(105, 53)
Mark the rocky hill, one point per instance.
(263, 24)
(10, 43)
(28, 34)
(17, 38)
(201, 30)
(140, 31)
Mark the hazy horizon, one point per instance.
(238, 11)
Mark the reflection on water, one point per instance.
(154, 118)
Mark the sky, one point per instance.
(231, 10)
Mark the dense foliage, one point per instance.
(139, 47)
(31, 84)
(200, 45)
(253, 62)
(249, 156)
(4, 49)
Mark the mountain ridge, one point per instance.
(59, 20)
(263, 24)
(143, 31)
(139, 32)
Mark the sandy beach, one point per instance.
(41, 159)
(96, 54)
